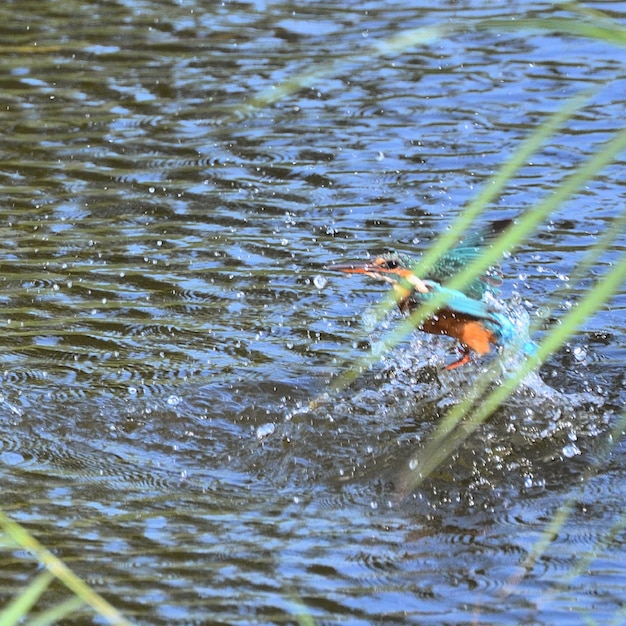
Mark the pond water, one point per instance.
(168, 317)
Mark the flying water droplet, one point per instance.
(320, 281)
(265, 430)
(580, 354)
(571, 450)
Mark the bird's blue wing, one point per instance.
(470, 248)
(455, 301)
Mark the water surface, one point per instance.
(168, 316)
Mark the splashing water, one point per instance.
(515, 329)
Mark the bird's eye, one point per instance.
(389, 264)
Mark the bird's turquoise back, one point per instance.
(457, 258)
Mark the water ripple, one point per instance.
(167, 319)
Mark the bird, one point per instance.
(465, 316)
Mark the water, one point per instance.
(168, 319)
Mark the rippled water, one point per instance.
(168, 317)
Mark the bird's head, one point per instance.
(395, 269)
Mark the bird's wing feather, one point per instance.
(455, 259)
(456, 302)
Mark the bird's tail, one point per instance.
(512, 331)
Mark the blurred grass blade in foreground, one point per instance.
(58, 569)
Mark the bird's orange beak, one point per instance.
(369, 268)
(375, 269)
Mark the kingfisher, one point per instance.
(465, 316)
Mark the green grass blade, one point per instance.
(421, 36)
(22, 604)
(594, 25)
(57, 613)
(56, 567)
(552, 530)
(601, 30)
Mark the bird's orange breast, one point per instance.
(469, 331)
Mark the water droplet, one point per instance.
(320, 281)
(265, 430)
(570, 450)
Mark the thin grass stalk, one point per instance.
(596, 25)
(557, 522)
(22, 604)
(588, 12)
(581, 271)
(611, 33)
(56, 567)
(57, 613)
(396, 44)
